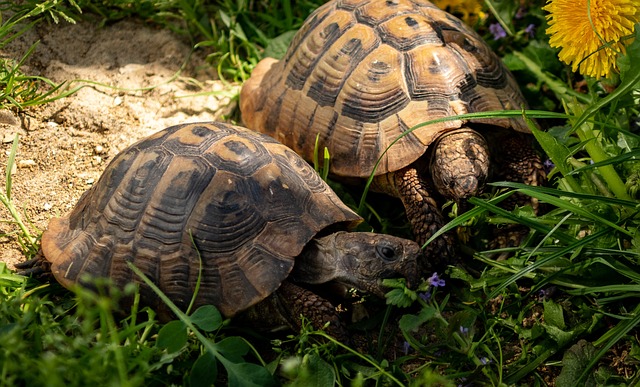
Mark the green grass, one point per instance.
(18, 90)
(562, 306)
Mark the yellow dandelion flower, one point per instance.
(591, 46)
(470, 11)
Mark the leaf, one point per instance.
(204, 371)
(431, 378)
(543, 55)
(233, 348)
(556, 334)
(553, 314)
(314, 372)
(399, 298)
(248, 375)
(411, 322)
(611, 337)
(226, 20)
(629, 63)
(514, 63)
(574, 361)
(278, 46)
(172, 336)
(547, 260)
(556, 151)
(627, 141)
(463, 321)
(207, 318)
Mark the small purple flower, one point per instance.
(497, 31)
(406, 347)
(484, 360)
(521, 13)
(548, 165)
(464, 330)
(547, 293)
(435, 281)
(425, 296)
(531, 30)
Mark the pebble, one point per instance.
(8, 118)
(8, 138)
(26, 163)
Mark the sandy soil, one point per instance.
(65, 145)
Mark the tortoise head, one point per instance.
(359, 260)
(460, 164)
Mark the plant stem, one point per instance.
(596, 152)
(561, 90)
(595, 179)
(31, 241)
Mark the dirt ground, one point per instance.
(65, 145)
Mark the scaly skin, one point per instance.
(518, 162)
(459, 167)
(296, 301)
(425, 217)
(358, 260)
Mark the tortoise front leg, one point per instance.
(518, 161)
(424, 215)
(294, 301)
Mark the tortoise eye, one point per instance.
(387, 253)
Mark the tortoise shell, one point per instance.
(361, 73)
(213, 197)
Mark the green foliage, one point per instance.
(50, 342)
(560, 306)
(24, 236)
(575, 361)
(17, 89)
(310, 370)
(319, 359)
(235, 35)
(229, 351)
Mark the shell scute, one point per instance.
(376, 90)
(305, 57)
(375, 13)
(339, 61)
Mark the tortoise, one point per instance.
(238, 207)
(360, 73)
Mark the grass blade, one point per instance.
(10, 164)
(545, 261)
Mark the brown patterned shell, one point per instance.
(362, 72)
(247, 203)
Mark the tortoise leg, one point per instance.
(518, 161)
(294, 301)
(424, 215)
(37, 267)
